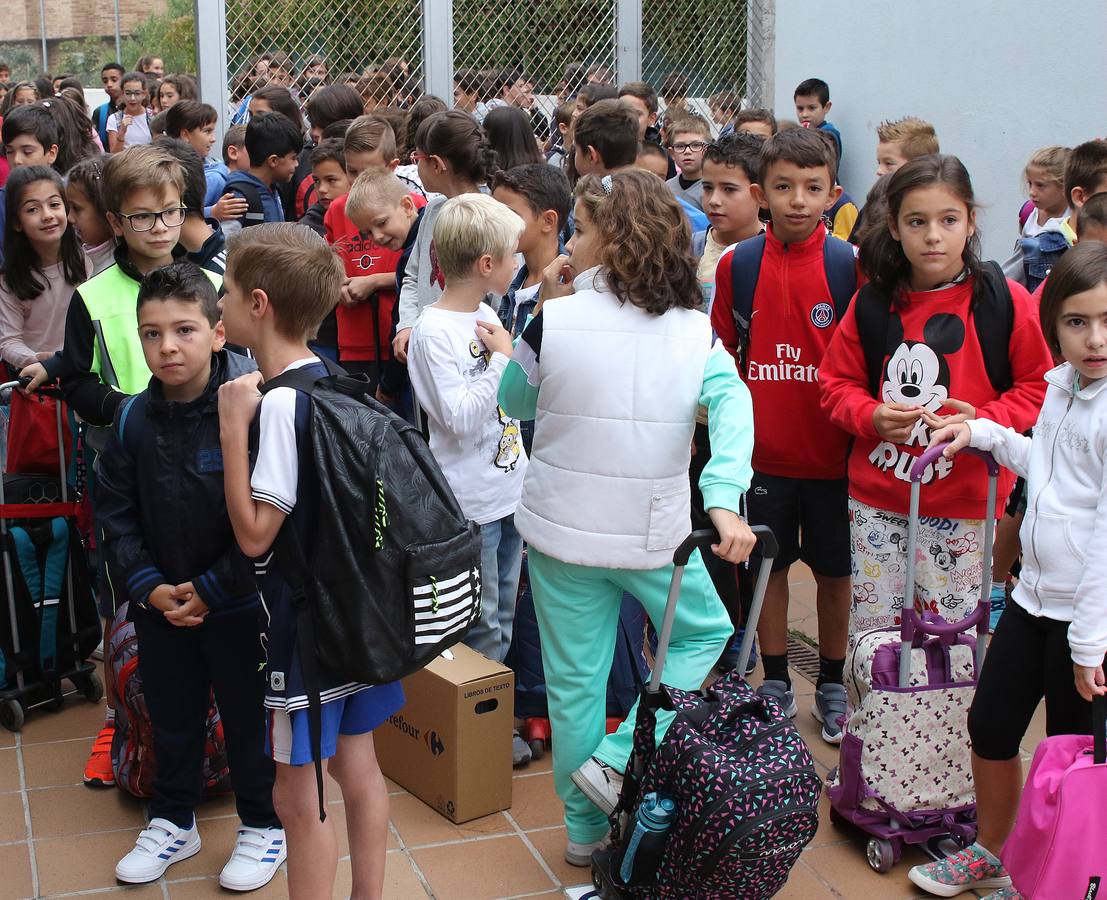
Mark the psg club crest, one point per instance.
(822, 315)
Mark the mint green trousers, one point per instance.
(578, 613)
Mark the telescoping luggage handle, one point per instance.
(910, 620)
(702, 540)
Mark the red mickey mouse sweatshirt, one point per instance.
(933, 354)
(792, 324)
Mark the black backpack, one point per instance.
(839, 264)
(255, 210)
(993, 314)
(394, 576)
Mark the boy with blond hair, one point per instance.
(457, 353)
(901, 140)
(282, 279)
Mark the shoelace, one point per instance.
(252, 844)
(153, 838)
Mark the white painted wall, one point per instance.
(998, 79)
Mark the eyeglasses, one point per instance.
(170, 218)
(694, 146)
(133, 93)
(417, 155)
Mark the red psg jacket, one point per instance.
(792, 324)
(932, 354)
(358, 335)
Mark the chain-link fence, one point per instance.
(556, 45)
(376, 46)
(694, 52)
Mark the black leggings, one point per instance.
(1028, 659)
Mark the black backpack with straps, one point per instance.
(393, 578)
(993, 315)
(839, 265)
(255, 209)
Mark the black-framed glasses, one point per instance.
(145, 221)
(134, 94)
(694, 146)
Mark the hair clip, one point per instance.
(607, 184)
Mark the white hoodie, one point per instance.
(1064, 533)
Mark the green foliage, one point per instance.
(170, 35)
(84, 58)
(703, 39)
(25, 60)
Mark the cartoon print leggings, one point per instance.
(949, 560)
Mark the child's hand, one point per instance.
(895, 421)
(229, 206)
(965, 411)
(358, 289)
(736, 539)
(557, 281)
(1089, 681)
(957, 434)
(37, 373)
(495, 337)
(161, 598)
(190, 609)
(399, 344)
(238, 401)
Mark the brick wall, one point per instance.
(67, 19)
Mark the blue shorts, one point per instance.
(288, 737)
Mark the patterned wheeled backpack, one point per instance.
(745, 789)
(132, 748)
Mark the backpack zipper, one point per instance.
(380, 518)
(746, 827)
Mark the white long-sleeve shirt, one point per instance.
(1064, 531)
(456, 380)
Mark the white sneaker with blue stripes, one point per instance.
(258, 853)
(159, 845)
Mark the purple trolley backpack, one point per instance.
(904, 774)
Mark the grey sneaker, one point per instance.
(520, 750)
(600, 783)
(580, 855)
(782, 694)
(830, 708)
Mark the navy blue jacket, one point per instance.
(160, 501)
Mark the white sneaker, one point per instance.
(159, 845)
(580, 855)
(258, 853)
(600, 783)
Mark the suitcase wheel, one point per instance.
(881, 855)
(91, 687)
(11, 715)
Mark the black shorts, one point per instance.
(810, 518)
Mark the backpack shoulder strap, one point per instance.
(301, 380)
(125, 410)
(840, 264)
(745, 267)
(993, 313)
(872, 309)
(699, 243)
(255, 210)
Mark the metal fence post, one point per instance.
(42, 31)
(211, 60)
(438, 49)
(760, 48)
(628, 40)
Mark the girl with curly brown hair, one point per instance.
(612, 368)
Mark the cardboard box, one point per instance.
(450, 745)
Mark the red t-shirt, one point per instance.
(359, 337)
(791, 327)
(935, 356)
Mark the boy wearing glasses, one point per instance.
(101, 361)
(688, 139)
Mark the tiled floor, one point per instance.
(60, 839)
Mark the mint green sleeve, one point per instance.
(518, 397)
(727, 475)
